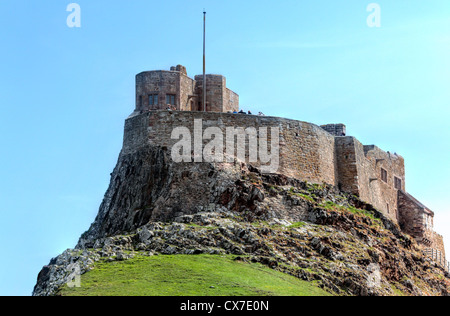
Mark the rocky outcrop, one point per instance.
(314, 232)
(147, 185)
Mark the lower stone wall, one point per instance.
(413, 217)
(438, 243)
(346, 164)
(410, 217)
(382, 194)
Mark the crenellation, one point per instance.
(335, 129)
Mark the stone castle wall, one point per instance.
(335, 129)
(347, 165)
(380, 192)
(163, 83)
(187, 92)
(359, 169)
(438, 244)
(306, 151)
(418, 221)
(412, 218)
(231, 101)
(218, 97)
(215, 91)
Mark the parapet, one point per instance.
(180, 69)
(335, 129)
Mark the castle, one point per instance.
(157, 90)
(318, 154)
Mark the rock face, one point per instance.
(314, 232)
(147, 185)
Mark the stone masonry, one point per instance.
(160, 89)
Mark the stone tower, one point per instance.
(162, 89)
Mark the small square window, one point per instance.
(170, 99)
(398, 183)
(384, 175)
(153, 99)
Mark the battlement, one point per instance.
(335, 129)
(180, 69)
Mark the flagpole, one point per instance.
(204, 60)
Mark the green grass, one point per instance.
(297, 225)
(333, 206)
(188, 275)
(301, 195)
(193, 225)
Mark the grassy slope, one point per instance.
(185, 275)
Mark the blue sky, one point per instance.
(65, 92)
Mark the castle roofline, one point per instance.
(368, 148)
(210, 75)
(161, 70)
(278, 118)
(153, 71)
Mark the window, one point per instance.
(388, 210)
(140, 101)
(384, 175)
(170, 99)
(153, 100)
(427, 221)
(397, 183)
